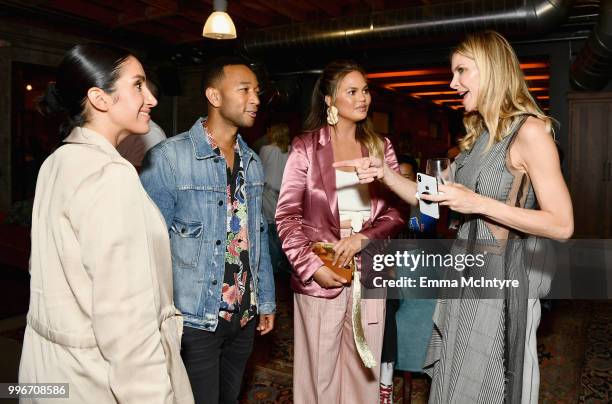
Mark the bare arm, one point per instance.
(535, 153)
(373, 168)
(403, 187)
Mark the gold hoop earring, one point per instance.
(332, 115)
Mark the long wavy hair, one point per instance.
(327, 85)
(503, 92)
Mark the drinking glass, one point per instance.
(440, 168)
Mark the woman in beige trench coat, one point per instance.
(101, 314)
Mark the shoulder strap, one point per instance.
(516, 127)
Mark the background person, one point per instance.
(408, 322)
(408, 166)
(274, 158)
(101, 315)
(320, 204)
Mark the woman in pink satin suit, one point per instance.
(318, 203)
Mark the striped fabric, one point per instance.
(466, 355)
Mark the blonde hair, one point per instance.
(327, 85)
(278, 134)
(503, 92)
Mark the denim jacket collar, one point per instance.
(203, 150)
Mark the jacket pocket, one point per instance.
(186, 242)
(254, 189)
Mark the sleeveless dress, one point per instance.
(483, 350)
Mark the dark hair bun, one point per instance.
(83, 67)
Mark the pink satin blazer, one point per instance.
(307, 209)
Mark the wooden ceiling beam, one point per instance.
(183, 25)
(377, 5)
(283, 8)
(158, 30)
(332, 8)
(163, 4)
(254, 5)
(299, 6)
(138, 14)
(261, 19)
(83, 10)
(167, 34)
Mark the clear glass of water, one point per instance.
(440, 168)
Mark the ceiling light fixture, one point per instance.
(219, 24)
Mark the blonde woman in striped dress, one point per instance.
(508, 185)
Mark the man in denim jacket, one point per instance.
(208, 186)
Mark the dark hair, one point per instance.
(214, 69)
(406, 159)
(83, 67)
(327, 85)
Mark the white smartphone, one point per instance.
(428, 185)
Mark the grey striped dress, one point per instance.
(467, 356)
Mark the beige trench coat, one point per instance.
(101, 314)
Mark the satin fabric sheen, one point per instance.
(307, 209)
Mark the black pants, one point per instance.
(389, 348)
(215, 361)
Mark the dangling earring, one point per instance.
(332, 115)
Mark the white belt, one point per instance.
(357, 218)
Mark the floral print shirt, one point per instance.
(237, 293)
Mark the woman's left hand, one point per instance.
(347, 247)
(457, 197)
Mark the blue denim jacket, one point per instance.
(187, 181)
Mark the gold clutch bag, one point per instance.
(326, 252)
